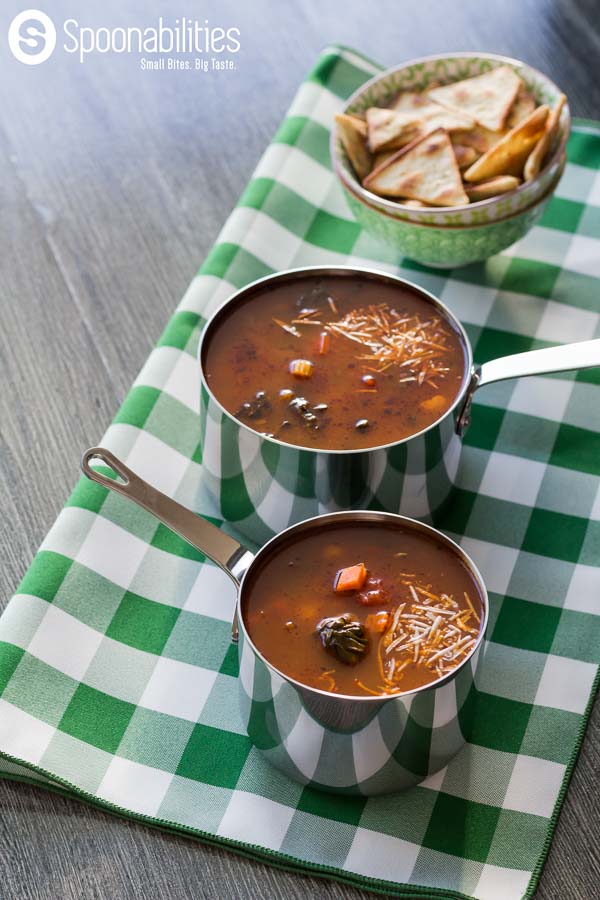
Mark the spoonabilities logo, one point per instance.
(32, 37)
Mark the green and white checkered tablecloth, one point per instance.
(117, 675)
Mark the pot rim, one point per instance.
(375, 274)
(372, 515)
(392, 205)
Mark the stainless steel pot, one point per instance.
(345, 744)
(263, 485)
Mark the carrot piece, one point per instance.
(375, 597)
(377, 621)
(434, 404)
(301, 368)
(324, 341)
(351, 578)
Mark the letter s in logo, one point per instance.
(32, 37)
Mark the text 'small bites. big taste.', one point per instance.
(364, 609)
(335, 363)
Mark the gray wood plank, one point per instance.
(115, 184)
(54, 382)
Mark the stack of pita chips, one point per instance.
(453, 144)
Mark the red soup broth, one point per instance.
(336, 362)
(411, 617)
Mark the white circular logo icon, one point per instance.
(32, 37)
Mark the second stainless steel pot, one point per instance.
(345, 744)
(262, 485)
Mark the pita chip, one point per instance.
(465, 156)
(480, 138)
(487, 98)
(540, 151)
(380, 158)
(353, 135)
(425, 170)
(509, 155)
(501, 184)
(523, 106)
(434, 115)
(390, 130)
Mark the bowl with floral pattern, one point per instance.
(421, 74)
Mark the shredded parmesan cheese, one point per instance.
(426, 630)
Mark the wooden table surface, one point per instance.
(115, 184)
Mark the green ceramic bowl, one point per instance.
(417, 75)
(447, 246)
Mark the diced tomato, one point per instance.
(374, 593)
(371, 598)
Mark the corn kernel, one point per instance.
(301, 368)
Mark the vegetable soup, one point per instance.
(364, 609)
(335, 362)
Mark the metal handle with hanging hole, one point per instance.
(224, 550)
(563, 358)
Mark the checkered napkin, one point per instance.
(117, 675)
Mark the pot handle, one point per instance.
(226, 552)
(562, 358)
